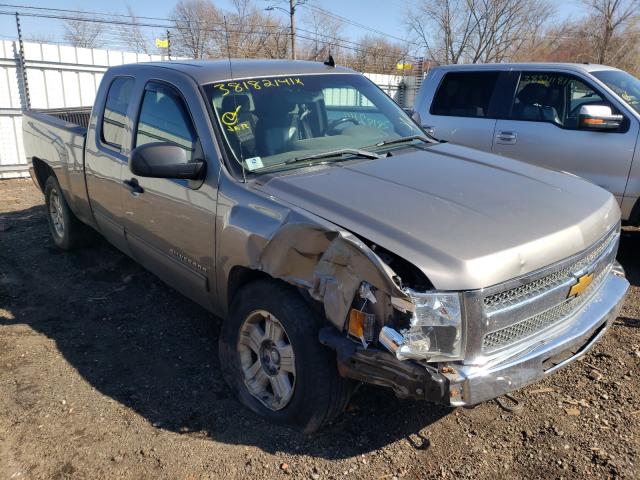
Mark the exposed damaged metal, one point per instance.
(332, 266)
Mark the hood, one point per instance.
(467, 219)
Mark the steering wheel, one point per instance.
(333, 125)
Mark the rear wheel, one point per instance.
(272, 359)
(66, 230)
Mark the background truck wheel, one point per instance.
(272, 359)
(67, 231)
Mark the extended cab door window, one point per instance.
(460, 111)
(165, 118)
(115, 112)
(465, 94)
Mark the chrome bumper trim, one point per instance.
(473, 384)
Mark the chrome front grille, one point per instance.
(522, 309)
(517, 294)
(521, 330)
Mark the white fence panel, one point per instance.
(58, 76)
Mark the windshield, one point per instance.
(625, 85)
(273, 121)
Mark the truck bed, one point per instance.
(56, 137)
(78, 116)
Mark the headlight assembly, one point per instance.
(435, 330)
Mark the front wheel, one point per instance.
(273, 361)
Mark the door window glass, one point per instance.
(465, 94)
(115, 111)
(553, 97)
(165, 118)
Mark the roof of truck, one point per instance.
(585, 67)
(209, 71)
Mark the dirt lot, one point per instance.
(107, 373)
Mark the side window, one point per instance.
(165, 118)
(115, 111)
(464, 94)
(552, 97)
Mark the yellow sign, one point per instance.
(404, 66)
(162, 43)
(579, 288)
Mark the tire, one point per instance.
(66, 230)
(318, 393)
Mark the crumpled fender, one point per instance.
(329, 263)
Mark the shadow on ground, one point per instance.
(137, 341)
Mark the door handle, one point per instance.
(133, 186)
(506, 138)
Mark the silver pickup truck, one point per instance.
(338, 242)
(578, 118)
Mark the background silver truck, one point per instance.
(578, 118)
(302, 205)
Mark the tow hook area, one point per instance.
(379, 367)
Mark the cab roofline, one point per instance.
(584, 67)
(209, 71)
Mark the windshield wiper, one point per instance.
(355, 152)
(403, 139)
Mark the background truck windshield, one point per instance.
(272, 120)
(624, 84)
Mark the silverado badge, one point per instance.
(583, 282)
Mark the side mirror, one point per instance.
(164, 160)
(598, 117)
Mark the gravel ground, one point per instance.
(107, 373)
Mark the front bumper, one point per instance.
(473, 384)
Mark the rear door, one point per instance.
(462, 109)
(170, 222)
(542, 128)
(105, 160)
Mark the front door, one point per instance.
(170, 222)
(542, 129)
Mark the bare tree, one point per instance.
(195, 26)
(455, 31)
(254, 33)
(324, 34)
(443, 27)
(376, 54)
(133, 35)
(609, 17)
(82, 31)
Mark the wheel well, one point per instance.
(239, 277)
(634, 217)
(42, 171)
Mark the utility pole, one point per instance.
(292, 13)
(293, 4)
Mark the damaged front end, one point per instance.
(365, 292)
(384, 332)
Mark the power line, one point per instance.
(358, 25)
(341, 43)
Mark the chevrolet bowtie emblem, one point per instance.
(583, 282)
